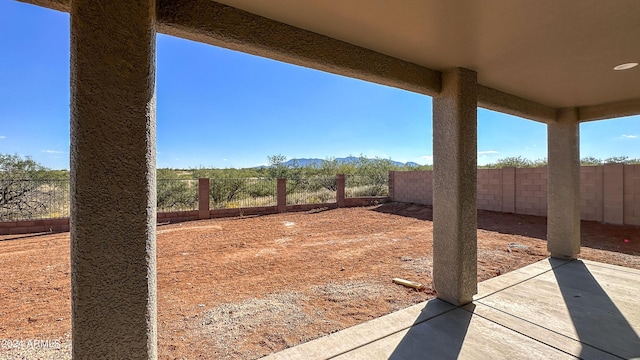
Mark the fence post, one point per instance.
(340, 190)
(282, 195)
(203, 198)
(392, 176)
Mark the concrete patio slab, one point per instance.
(540, 334)
(584, 301)
(551, 309)
(457, 334)
(515, 277)
(334, 345)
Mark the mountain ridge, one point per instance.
(304, 162)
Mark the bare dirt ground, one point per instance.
(242, 288)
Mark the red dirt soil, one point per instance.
(242, 288)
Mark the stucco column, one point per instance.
(113, 179)
(563, 186)
(454, 187)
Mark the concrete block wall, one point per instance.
(177, 216)
(34, 226)
(609, 193)
(411, 186)
(613, 193)
(508, 190)
(489, 190)
(631, 196)
(531, 191)
(365, 201)
(591, 193)
(263, 210)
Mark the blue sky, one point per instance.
(219, 108)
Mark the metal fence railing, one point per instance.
(177, 194)
(34, 199)
(225, 193)
(366, 185)
(50, 199)
(312, 190)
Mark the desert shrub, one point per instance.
(223, 190)
(517, 162)
(368, 190)
(363, 186)
(29, 190)
(261, 187)
(177, 194)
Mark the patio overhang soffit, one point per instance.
(533, 59)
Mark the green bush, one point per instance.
(29, 190)
(261, 188)
(177, 194)
(225, 190)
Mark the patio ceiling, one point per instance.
(532, 58)
(556, 53)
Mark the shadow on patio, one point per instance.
(594, 315)
(551, 309)
(440, 338)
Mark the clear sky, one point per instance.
(219, 108)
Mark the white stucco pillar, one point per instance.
(563, 185)
(454, 187)
(113, 191)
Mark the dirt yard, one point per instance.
(242, 288)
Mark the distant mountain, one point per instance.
(345, 160)
(304, 162)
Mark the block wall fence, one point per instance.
(203, 211)
(609, 193)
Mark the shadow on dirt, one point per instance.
(32, 235)
(593, 234)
